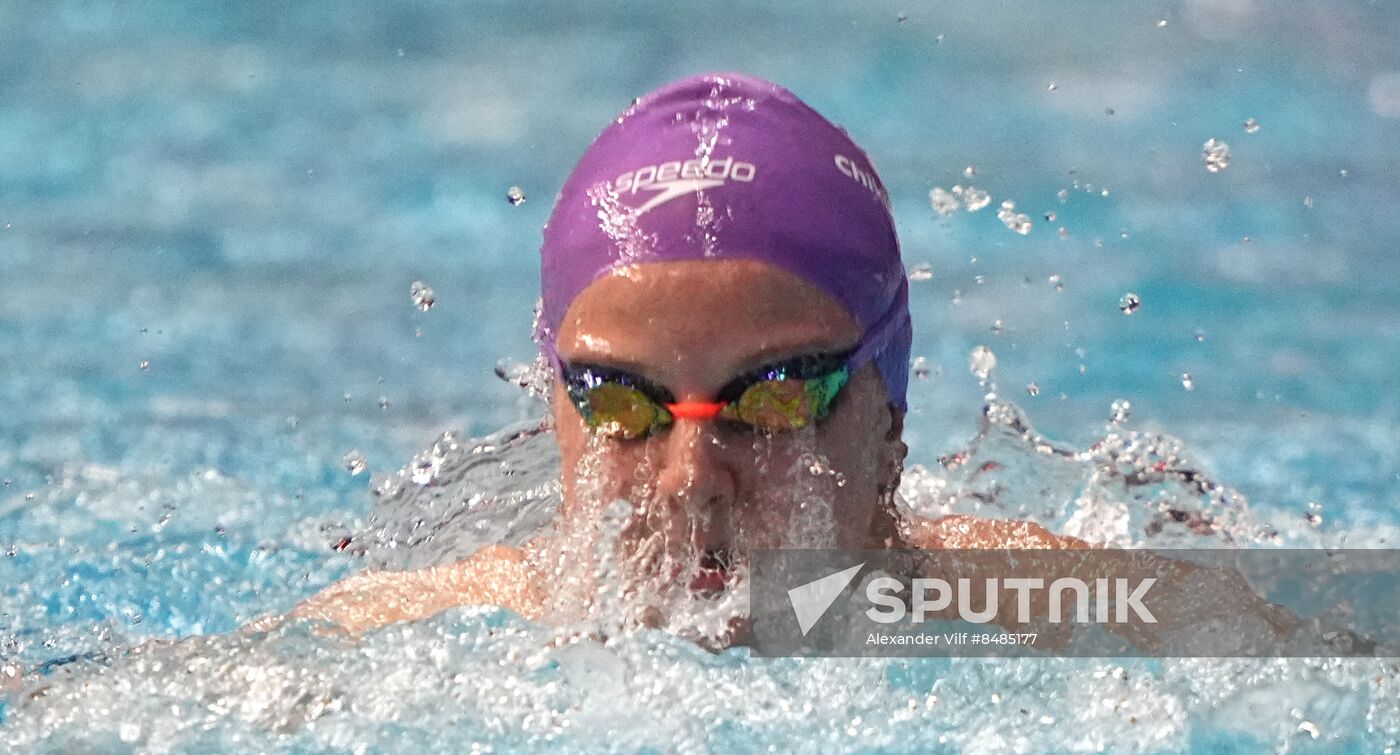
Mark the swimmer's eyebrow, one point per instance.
(779, 355)
(766, 358)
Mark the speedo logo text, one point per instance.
(677, 178)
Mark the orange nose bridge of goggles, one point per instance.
(696, 409)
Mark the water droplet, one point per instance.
(1033, 389)
(982, 362)
(354, 462)
(1162, 23)
(422, 296)
(1251, 126)
(1342, 172)
(944, 203)
(424, 471)
(1130, 303)
(515, 195)
(1187, 381)
(1053, 86)
(1019, 222)
(1200, 335)
(1064, 232)
(145, 365)
(1216, 155)
(1057, 282)
(921, 272)
(921, 368)
(975, 199)
(1120, 411)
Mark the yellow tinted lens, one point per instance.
(774, 405)
(622, 411)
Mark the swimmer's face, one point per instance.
(704, 486)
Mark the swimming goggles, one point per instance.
(786, 395)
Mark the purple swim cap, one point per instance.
(723, 165)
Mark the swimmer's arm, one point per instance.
(497, 575)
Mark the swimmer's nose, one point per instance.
(696, 469)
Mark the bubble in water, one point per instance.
(1057, 282)
(944, 203)
(1200, 335)
(384, 403)
(1130, 303)
(515, 195)
(982, 362)
(1063, 195)
(144, 365)
(1053, 86)
(1216, 155)
(1314, 518)
(1033, 389)
(422, 296)
(970, 171)
(1310, 728)
(975, 199)
(997, 327)
(354, 462)
(1019, 222)
(921, 272)
(1187, 381)
(1120, 411)
(1162, 23)
(1251, 126)
(1049, 217)
(1064, 232)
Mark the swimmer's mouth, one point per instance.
(713, 571)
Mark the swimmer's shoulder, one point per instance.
(963, 531)
(496, 575)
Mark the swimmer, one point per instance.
(723, 302)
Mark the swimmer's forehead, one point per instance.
(717, 316)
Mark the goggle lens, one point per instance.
(789, 404)
(621, 411)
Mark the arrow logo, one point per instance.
(810, 601)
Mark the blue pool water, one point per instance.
(239, 196)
